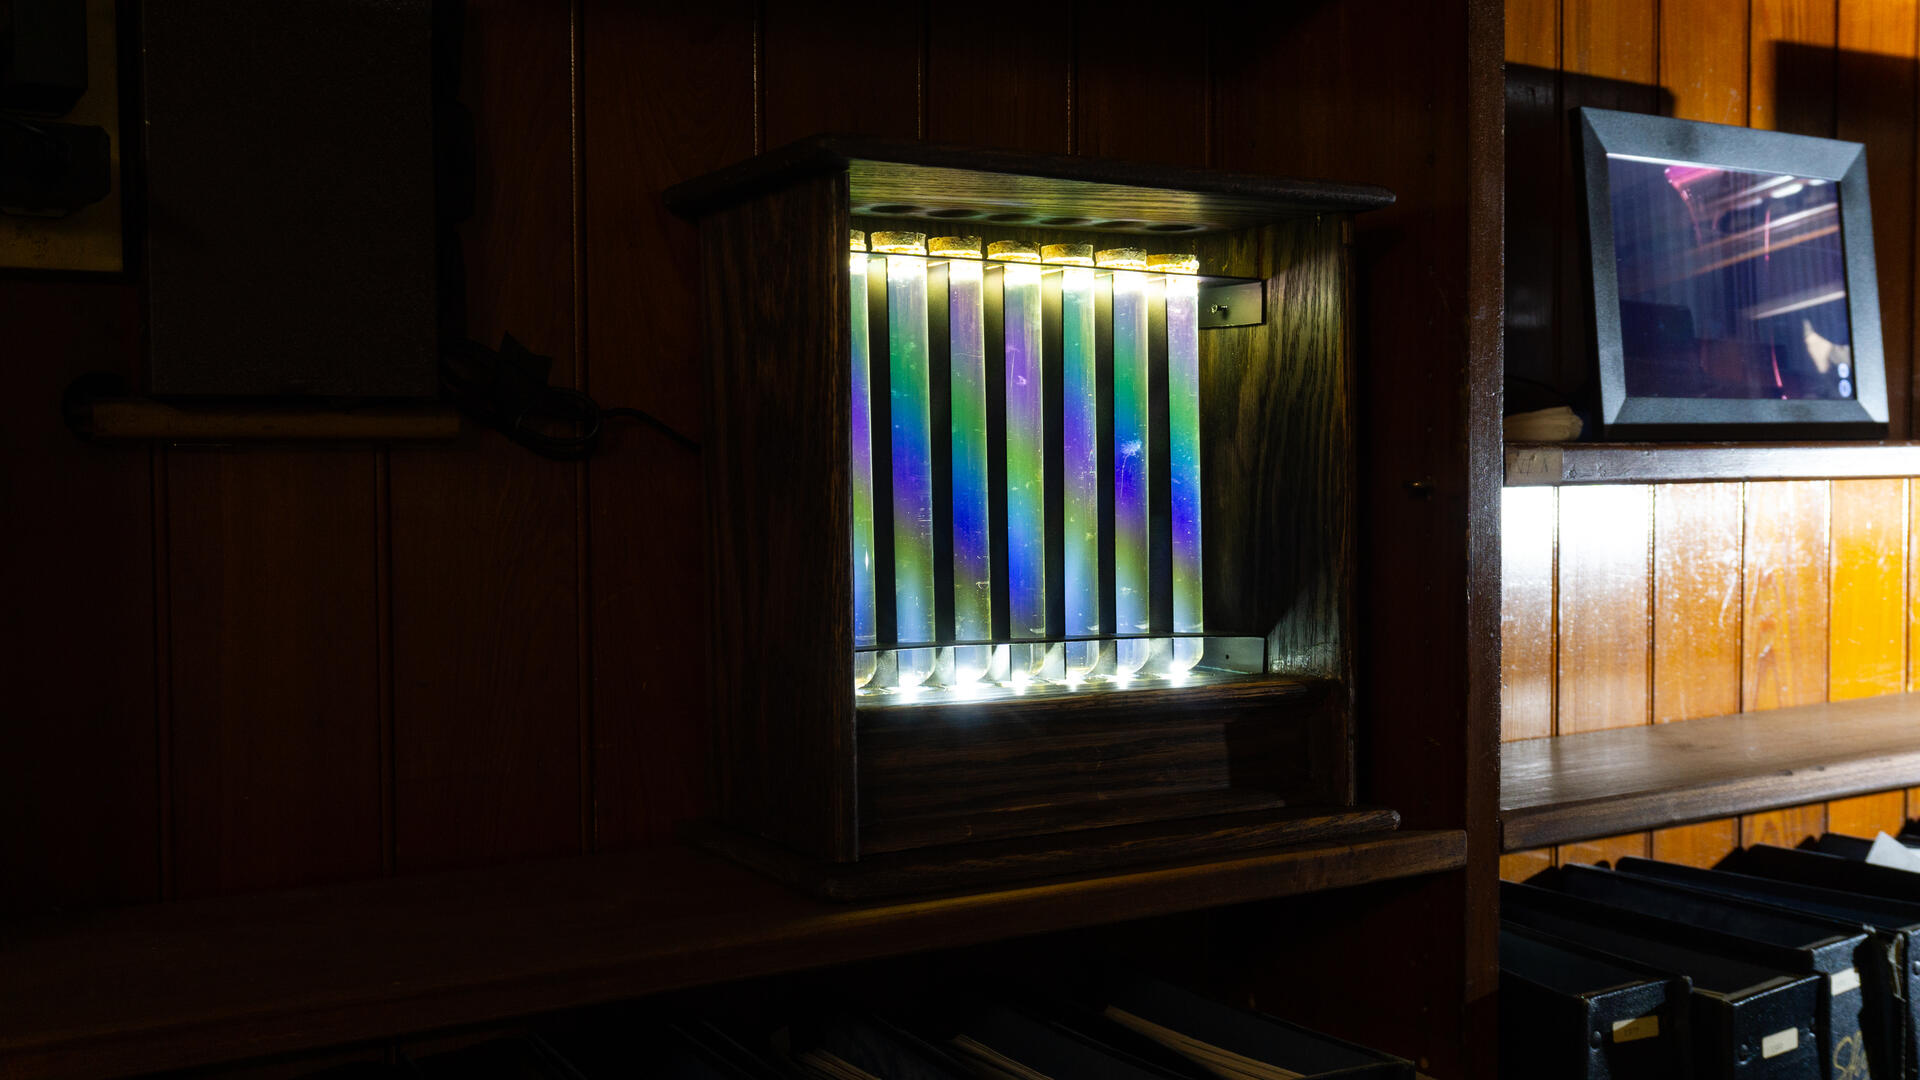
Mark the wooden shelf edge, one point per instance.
(1565, 464)
(1578, 787)
(202, 982)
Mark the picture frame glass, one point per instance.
(1732, 283)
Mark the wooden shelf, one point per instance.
(192, 983)
(1554, 464)
(1602, 783)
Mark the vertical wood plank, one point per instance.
(1609, 53)
(1784, 635)
(1878, 104)
(1534, 191)
(986, 87)
(1605, 849)
(1521, 865)
(1866, 815)
(1533, 32)
(1784, 828)
(1791, 63)
(1604, 538)
(1704, 844)
(1784, 640)
(79, 807)
(667, 95)
(1868, 638)
(1526, 613)
(1613, 39)
(1697, 601)
(276, 736)
(1703, 59)
(1140, 106)
(486, 640)
(872, 47)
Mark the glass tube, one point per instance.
(1080, 446)
(1183, 452)
(860, 438)
(1131, 408)
(1026, 458)
(912, 451)
(972, 529)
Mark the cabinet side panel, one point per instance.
(773, 271)
(1278, 470)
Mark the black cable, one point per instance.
(507, 390)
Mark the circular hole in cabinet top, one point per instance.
(1172, 228)
(1117, 225)
(1006, 217)
(1064, 221)
(953, 212)
(893, 208)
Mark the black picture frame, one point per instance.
(1623, 416)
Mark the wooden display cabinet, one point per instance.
(860, 793)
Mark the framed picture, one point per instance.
(1733, 282)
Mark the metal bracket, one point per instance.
(1240, 303)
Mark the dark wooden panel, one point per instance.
(1576, 786)
(989, 87)
(238, 977)
(950, 773)
(1867, 636)
(845, 67)
(1531, 464)
(486, 619)
(1604, 566)
(274, 641)
(1527, 627)
(1877, 102)
(1278, 461)
(79, 821)
(289, 242)
(780, 678)
(666, 94)
(1132, 103)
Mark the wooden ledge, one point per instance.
(1556, 464)
(172, 986)
(1603, 783)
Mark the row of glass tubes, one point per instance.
(918, 660)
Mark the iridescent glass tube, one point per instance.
(912, 450)
(860, 437)
(967, 383)
(1080, 456)
(1132, 590)
(1183, 451)
(1026, 456)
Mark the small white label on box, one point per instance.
(1780, 1042)
(1844, 981)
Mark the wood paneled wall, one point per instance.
(1635, 604)
(1646, 604)
(247, 668)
